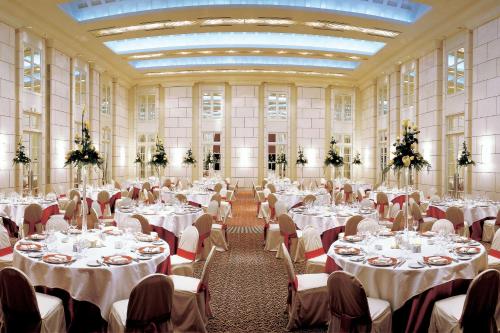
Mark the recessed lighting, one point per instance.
(328, 55)
(146, 56)
(231, 51)
(245, 71)
(206, 52)
(256, 51)
(354, 57)
(305, 53)
(281, 52)
(184, 52)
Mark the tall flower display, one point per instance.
(189, 159)
(20, 158)
(463, 161)
(301, 160)
(281, 162)
(159, 159)
(82, 157)
(356, 160)
(333, 158)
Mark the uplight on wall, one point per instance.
(486, 153)
(244, 160)
(177, 154)
(122, 155)
(312, 156)
(60, 158)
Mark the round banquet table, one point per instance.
(13, 210)
(292, 198)
(474, 214)
(410, 291)
(168, 221)
(199, 197)
(328, 220)
(101, 286)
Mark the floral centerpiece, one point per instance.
(209, 161)
(463, 161)
(333, 157)
(20, 158)
(82, 157)
(356, 160)
(281, 162)
(159, 159)
(189, 159)
(301, 160)
(138, 159)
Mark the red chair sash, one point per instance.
(5, 251)
(380, 207)
(292, 286)
(315, 253)
(347, 195)
(103, 207)
(202, 288)
(494, 253)
(201, 240)
(266, 226)
(186, 254)
(32, 226)
(273, 212)
(135, 193)
(287, 238)
(347, 323)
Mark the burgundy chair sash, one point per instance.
(292, 286)
(380, 207)
(266, 226)
(135, 193)
(150, 325)
(494, 253)
(204, 289)
(273, 212)
(32, 226)
(315, 253)
(287, 238)
(347, 195)
(186, 254)
(201, 240)
(102, 205)
(194, 204)
(347, 322)
(5, 251)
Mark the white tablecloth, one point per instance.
(167, 219)
(324, 218)
(402, 283)
(472, 213)
(293, 198)
(15, 210)
(391, 195)
(102, 285)
(203, 198)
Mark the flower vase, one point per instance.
(456, 180)
(84, 199)
(407, 200)
(334, 171)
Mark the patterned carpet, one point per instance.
(248, 285)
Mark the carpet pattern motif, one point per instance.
(248, 285)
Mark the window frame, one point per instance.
(147, 103)
(80, 86)
(275, 111)
(211, 112)
(408, 84)
(452, 71)
(31, 72)
(343, 107)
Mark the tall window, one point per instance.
(212, 143)
(383, 150)
(456, 70)
(344, 143)
(277, 106)
(32, 76)
(106, 151)
(343, 107)
(80, 86)
(211, 105)
(106, 99)
(408, 82)
(145, 147)
(383, 97)
(454, 140)
(276, 143)
(32, 140)
(147, 107)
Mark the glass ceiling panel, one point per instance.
(405, 11)
(244, 40)
(242, 61)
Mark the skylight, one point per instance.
(261, 40)
(404, 11)
(210, 61)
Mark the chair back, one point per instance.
(266, 192)
(312, 242)
(361, 194)
(204, 224)
(74, 193)
(415, 196)
(481, 302)
(456, 216)
(398, 223)
(216, 197)
(206, 269)
(495, 243)
(188, 243)
(264, 183)
(117, 185)
(181, 197)
(348, 304)
(351, 225)
(286, 224)
(150, 305)
(382, 199)
(338, 198)
(146, 186)
(394, 210)
(213, 209)
(443, 225)
(368, 225)
(32, 219)
(271, 188)
(348, 194)
(167, 183)
(145, 226)
(329, 186)
(416, 213)
(217, 188)
(280, 207)
(366, 203)
(92, 219)
(69, 213)
(229, 195)
(4, 236)
(271, 199)
(18, 301)
(292, 280)
(310, 198)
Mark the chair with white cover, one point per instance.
(348, 193)
(472, 312)
(217, 188)
(218, 235)
(367, 203)
(456, 216)
(181, 198)
(443, 226)
(32, 220)
(191, 304)
(291, 238)
(25, 310)
(5, 247)
(394, 208)
(398, 223)
(494, 252)
(271, 188)
(361, 194)
(148, 309)
(351, 225)
(368, 225)
(103, 201)
(271, 201)
(424, 223)
(145, 226)
(182, 262)
(280, 207)
(123, 202)
(382, 204)
(272, 235)
(129, 223)
(314, 252)
(338, 198)
(307, 301)
(351, 310)
(204, 226)
(490, 227)
(227, 205)
(309, 199)
(56, 223)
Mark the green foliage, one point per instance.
(356, 160)
(465, 158)
(20, 157)
(189, 158)
(333, 157)
(85, 154)
(138, 159)
(406, 154)
(301, 159)
(159, 157)
(210, 159)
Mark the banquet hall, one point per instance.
(250, 166)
